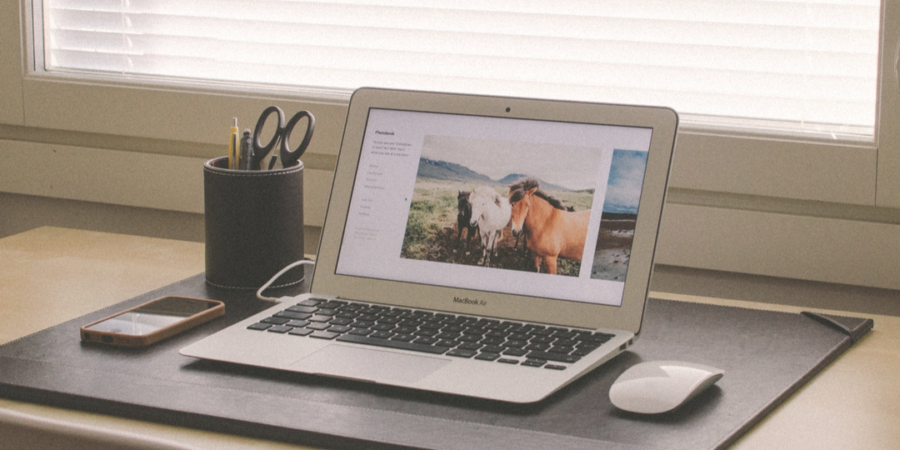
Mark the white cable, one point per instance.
(304, 262)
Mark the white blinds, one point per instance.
(804, 61)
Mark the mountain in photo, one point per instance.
(447, 171)
(516, 177)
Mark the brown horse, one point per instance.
(550, 229)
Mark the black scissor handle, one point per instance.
(289, 157)
(260, 151)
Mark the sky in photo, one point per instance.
(568, 166)
(623, 192)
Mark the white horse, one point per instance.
(491, 212)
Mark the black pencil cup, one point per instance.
(254, 224)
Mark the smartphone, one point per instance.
(152, 322)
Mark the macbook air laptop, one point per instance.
(490, 247)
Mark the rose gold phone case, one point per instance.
(125, 340)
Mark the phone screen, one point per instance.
(152, 316)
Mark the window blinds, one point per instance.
(802, 61)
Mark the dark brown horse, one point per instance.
(464, 216)
(550, 229)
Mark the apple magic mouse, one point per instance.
(656, 387)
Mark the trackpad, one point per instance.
(369, 364)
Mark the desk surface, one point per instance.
(50, 275)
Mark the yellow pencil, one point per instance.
(233, 146)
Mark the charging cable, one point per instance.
(303, 262)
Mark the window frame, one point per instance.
(747, 174)
(707, 159)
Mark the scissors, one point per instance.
(283, 134)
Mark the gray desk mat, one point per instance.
(766, 356)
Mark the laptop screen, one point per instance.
(517, 206)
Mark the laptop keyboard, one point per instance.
(505, 342)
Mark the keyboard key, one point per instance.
(515, 352)
(311, 302)
(538, 347)
(486, 356)
(493, 349)
(599, 338)
(554, 367)
(515, 344)
(556, 357)
(403, 337)
(508, 361)
(293, 315)
(323, 335)
(259, 326)
(333, 304)
(429, 333)
(393, 344)
(297, 323)
(279, 329)
(584, 351)
(300, 332)
(542, 339)
(565, 334)
(561, 350)
(303, 309)
(276, 320)
(533, 363)
(462, 353)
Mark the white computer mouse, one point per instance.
(656, 387)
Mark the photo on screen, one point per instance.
(620, 209)
(461, 210)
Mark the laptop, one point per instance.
(481, 246)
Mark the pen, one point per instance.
(233, 146)
(245, 157)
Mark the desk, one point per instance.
(50, 275)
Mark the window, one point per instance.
(797, 160)
(762, 196)
(805, 66)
